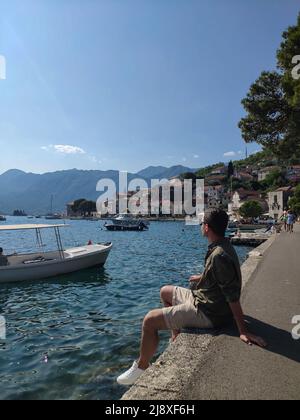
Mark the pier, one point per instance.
(249, 240)
(203, 365)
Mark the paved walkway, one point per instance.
(199, 367)
(272, 299)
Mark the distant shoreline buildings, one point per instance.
(223, 191)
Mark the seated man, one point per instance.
(213, 302)
(3, 259)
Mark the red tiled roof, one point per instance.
(284, 189)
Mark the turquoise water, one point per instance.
(70, 337)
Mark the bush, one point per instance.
(251, 209)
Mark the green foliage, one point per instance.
(267, 112)
(77, 204)
(237, 183)
(188, 175)
(294, 202)
(230, 169)
(273, 103)
(257, 160)
(275, 179)
(251, 209)
(204, 172)
(84, 206)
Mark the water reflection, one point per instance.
(69, 337)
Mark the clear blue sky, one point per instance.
(130, 83)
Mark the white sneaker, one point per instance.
(131, 375)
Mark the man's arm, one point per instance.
(195, 278)
(245, 336)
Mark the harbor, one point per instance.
(77, 332)
(149, 203)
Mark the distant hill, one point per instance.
(162, 172)
(32, 192)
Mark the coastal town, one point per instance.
(252, 188)
(150, 202)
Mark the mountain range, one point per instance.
(32, 192)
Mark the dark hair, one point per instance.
(217, 220)
(1, 250)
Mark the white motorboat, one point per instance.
(42, 265)
(126, 222)
(55, 216)
(2, 218)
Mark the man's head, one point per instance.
(215, 224)
(1, 251)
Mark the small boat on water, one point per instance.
(54, 216)
(42, 265)
(125, 222)
(2, 218)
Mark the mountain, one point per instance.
(162, 172)
(32, 192)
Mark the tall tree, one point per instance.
(230, 169)
(273, 103)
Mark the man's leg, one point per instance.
(153, 323)
(166, 295)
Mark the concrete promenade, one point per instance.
(219, 366)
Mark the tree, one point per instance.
(77, 204)
(87, 207)
(273, 103)
(84, 206)
(188, 175)
(294, 202)
(275, 179)
(230, 169)
(268, 112)
(251, 209)
(290, 48)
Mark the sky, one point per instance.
(125, 84)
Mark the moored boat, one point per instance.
(125, 222)
(42, 265)
(55, 216)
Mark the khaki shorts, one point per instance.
(184, 313)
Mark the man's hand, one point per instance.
(251, 339)
(196, 278)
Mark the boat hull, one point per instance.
(75, 260)
(120, 228)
